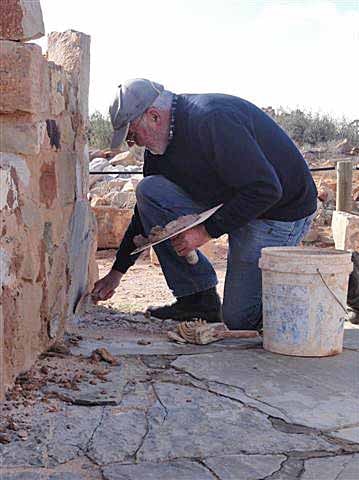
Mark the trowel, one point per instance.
(83, 305)
(192, 257)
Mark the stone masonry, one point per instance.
(345, 228)
(48, 231)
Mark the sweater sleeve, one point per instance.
(124, 259)
(232, 150)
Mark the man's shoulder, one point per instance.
(211, 101)
(215, 106)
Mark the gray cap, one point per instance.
(132, 99)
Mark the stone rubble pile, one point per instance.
(112, 195)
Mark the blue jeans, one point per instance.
(159, 201)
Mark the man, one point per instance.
(201, 151)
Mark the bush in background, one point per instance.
(304, 127)
(100, 131)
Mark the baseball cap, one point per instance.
(132, 99)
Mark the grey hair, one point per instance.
(163, 101)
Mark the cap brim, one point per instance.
(119, 135)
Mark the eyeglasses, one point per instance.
(131, 135)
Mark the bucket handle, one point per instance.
(333, 294)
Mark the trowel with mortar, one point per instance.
(172, 229)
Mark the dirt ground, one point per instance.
(144, 283)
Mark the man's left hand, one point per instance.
(190, 240)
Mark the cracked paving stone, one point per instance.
(31, 452)
(66, 476)
(41, 476)
(245, 467)
(187, 422)
(351, 338)
(343, 467)
(350, 434)
(104, 393)
(53, 439)
(23, 476)
(315, 392)
(71, 433)
(158, 346)
(177, 470)
(118, 437)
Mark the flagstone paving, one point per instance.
(226, 411)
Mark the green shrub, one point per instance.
(304, 127)
(100, 131)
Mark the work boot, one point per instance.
(353, 291)
(205, 305)
(353, 316)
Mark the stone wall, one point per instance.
(47, 229)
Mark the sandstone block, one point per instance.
(112, 224)
(345, 228)
(23, 79)
(71, 50)
(57, 79)
(21, 20)
(20, 134)
(13, 170)
(124, 159)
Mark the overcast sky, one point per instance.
(280, 53)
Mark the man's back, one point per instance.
(226, 150)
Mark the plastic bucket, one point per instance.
(304, 292)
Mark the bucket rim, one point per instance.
(309, 252)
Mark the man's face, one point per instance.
(145, 131)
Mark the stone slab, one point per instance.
(315, 392)
(23, 81)
(21, 20)
(245, 467)
(345, 227)
(23, 476)
(80, 239)
(111, 392)
(350, 434)
(54, 438)
(27, 475)
(351, 337)
(177, 470)
(20, 136)
(118, 437)
(71, 50)
(343, 467)
(159, 345)
(188, 422)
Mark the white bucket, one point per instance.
(302, 292)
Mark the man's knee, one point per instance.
(148, 187)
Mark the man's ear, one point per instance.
(154, 115)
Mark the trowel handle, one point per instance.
(192, 257)
(239, 334)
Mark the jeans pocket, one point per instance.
(279, 229)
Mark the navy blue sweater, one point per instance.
(226, 150)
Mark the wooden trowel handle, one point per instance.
(192, 257)
(239, 334)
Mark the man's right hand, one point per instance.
(106, 286)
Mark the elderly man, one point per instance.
(203, 150)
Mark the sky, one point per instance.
(291, 54)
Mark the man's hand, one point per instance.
(106, 286)
(190, 240)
